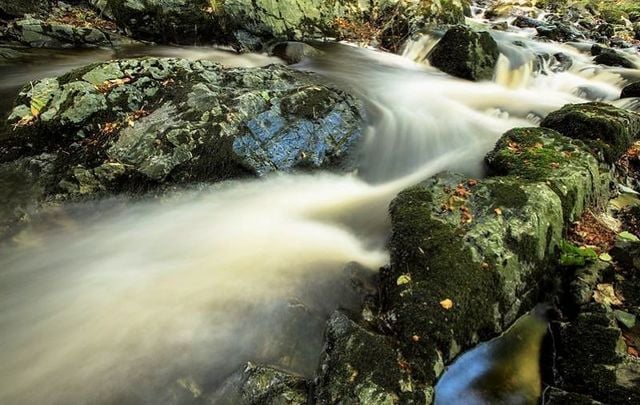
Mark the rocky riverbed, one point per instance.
(192, 232)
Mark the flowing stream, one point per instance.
(115, 301)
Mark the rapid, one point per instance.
(116, 301)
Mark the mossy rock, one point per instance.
(565, 164)
(465, 53)
(607, 130)
(144, 124)
(358, 366)
(466, 258)
(250, 25)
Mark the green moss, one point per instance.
(544, 155)
(465, 53)
(529, 153)
(607, 130)
(507, 195)
(574, 256)
(441, 267)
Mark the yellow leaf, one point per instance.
(446, 304)
(403, 279)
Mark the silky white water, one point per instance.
(118, 301)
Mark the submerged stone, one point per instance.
(607, 130)
(465, 53)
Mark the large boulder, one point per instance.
(465, 53)
(135, 125)
(249, 23)
(608, 131)
(466, 258)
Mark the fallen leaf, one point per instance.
(403, 279)
(415, 338)
(498, 211)
(446, 304)
(606, 295)
(605, 257)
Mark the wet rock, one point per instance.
(361, 367)
(526, 22)
(559, 31)
(564, 164)
(18, 8)
(611, 57)
(555, 396)
(592, 358)
(585, 280)
(294, 52)
(631, 90)
(22, 182)
(135, 125)
(607, 130)
(627, 250)
(40, 34)
(563, 62)
(465, 53)
(184, 21)
(258, 385)
(466, 259)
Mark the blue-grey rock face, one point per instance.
(140, 124)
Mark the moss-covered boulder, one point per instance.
(543, 155)
(135, 125)
(248, 24)
(607, 130)
(358, 366)
(466, 258)
(465, 53)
